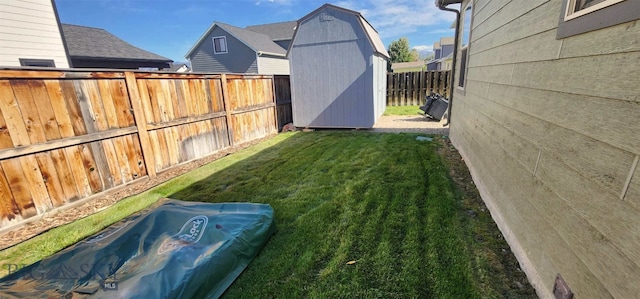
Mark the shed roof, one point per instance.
(90, 42)
(258, 42)
(372, 34)
(276, 31)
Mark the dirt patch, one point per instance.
(42, 223)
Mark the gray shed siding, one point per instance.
(239, 59)
(332, 72)
(549, 128)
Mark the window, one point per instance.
(580, 16)
(578, 8)
(220, 45)
(37, 62)
(464, 44)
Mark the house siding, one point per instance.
(239, 59)
(29, 29)
(332, 67)
(446, 50)
(549, 130)
(273, 65)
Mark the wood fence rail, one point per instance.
(68, 135)
(410, 89)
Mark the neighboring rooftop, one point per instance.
(95, 43)
(276, 31)
(407, 65)
(258, 42)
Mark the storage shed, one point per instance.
(338, 67)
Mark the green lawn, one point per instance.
(402, 110)
(385, 201)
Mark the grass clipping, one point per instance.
(384, 200)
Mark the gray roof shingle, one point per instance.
(257, 41)
(276, 31)
(89, 42)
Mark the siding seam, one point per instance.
(634, 165)
(560, 49)
(605, 238)
(604, 188)
(541, 212)
(535, 169)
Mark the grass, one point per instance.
(385, 201)
(402, 110)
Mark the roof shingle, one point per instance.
(276, 31)
(89, 42)
(257, 41)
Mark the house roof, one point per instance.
(176, 66)
(407, 65)
(372, 34)
(276, 31)
(90, 42)
(258, 42)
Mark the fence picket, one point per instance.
(404, 89)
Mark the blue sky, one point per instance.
(170, 27)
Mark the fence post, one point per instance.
(275, 102)
(141, 123)
(227, 108)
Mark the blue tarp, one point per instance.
(174, 249)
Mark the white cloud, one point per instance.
(276, 2)
(423, 50)
(399, 17)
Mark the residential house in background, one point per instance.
(280, 33)
(30, 33)
(442, 55)
(404, 67)
(338, 70)
(259, 49)
(91, 47)
(546, 113)
(179, 67)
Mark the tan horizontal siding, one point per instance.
(532, 23)
(483, 11)
(549, 128)
(617, 39)
(514, 198)
(505, 15)
(585, 76)
(541, 46)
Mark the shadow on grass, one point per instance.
(384, 201)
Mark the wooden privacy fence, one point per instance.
(410, 89)
(67, 135)
(283, 100)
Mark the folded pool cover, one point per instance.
(174, 249)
